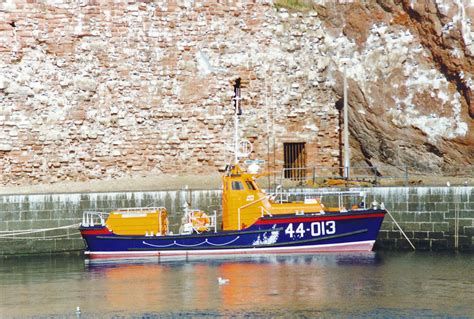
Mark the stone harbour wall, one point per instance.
(434, 218)
(92, 90)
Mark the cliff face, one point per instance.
(410, 70)
(105, 89)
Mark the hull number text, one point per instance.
(316, 229)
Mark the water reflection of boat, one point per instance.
(256, 284)
(253, 222)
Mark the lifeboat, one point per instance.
(253, 222)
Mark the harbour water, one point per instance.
(364, 285)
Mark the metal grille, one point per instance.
(295, 160)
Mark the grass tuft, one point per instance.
(298, 5)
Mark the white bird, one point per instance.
(222, 281)
(448, 184)
(78, 310)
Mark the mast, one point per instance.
(237, 113)
(236, 129)
(242, 147)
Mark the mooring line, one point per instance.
(401, 230)
(70, 236)
(12, 233)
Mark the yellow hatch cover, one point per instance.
(138, 222)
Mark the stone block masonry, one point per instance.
(443, 219)
(434, 218)
(107, 89)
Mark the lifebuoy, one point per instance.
(200, 221)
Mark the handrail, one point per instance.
(88, 218)
(321, 193)
(304, 174)
(214, 221)
(138, 209)
(247, 205)
(265, 211)
(340, 195)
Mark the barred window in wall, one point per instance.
(294, 155)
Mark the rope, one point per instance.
(41, 238)
(11, 233)
(401, 230)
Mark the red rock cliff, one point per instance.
(410, 65)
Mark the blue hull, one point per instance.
(350, 231)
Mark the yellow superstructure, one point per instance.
(243, 202)
(142, 221)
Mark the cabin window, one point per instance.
(250, 185)
(294, 160)
(237, 186)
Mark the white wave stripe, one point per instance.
(225, 244)
(194, 245)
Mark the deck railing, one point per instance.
(90, 218)
(404, 175)
(340, 199)
(311, 175)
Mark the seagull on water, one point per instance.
(222, 281)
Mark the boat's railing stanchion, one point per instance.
(89, 218)
(238, 217)
(339, 198)
(159, 221)
(214, 221)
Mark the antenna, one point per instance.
(347, 155)
(237, 112)
(241, 147)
